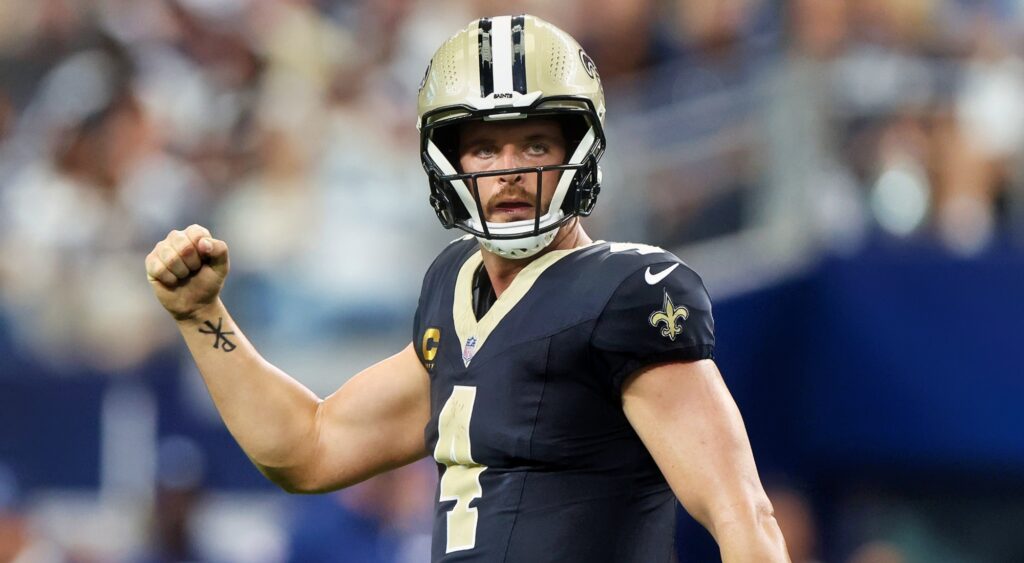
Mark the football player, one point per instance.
(565, 387)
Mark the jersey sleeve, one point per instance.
(645, 323)
(417, 334)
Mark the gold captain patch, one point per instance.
(431, 341)
(669, 317)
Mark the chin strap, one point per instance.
(517, 249)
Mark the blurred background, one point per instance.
(847, 175)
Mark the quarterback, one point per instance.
(565, 387)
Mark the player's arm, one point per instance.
(373, 423)
(689, 422)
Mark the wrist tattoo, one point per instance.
(220, 341)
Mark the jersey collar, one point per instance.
(473, 333)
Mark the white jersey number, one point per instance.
(461, 479)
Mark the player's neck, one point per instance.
(503, 270)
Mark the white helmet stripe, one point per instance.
(501, 44)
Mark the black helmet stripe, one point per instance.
(486, 58)
(518, 55)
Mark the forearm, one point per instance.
(752, 536)
(272, 416)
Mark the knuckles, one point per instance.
(186, 249)
(197, 230)
(165, 251)
(178, 250)
(192, 233)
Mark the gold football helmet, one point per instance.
(511, 67)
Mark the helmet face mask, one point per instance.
(455, 92)
(442, 192)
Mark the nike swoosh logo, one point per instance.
(653, 279)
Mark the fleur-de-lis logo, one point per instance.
(669, 316)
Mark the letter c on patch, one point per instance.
(431, 339)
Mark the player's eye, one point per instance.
(537, 149)
(485, 151)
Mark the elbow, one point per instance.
(764, 513)
(750, 533)
(768, 526)
(756, 514)
(293, 488)
(291, 481)
(304, 481)
(298, 472)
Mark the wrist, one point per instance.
(197, 316)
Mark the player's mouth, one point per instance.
(513, 210)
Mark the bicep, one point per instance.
(373, 423)
(689, 422)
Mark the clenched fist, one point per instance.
(187, 270)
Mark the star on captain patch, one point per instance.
(469, 350)
(669, 317)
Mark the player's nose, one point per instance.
(507, 159)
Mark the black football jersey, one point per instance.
(537, 460)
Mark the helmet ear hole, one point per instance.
(585, 187)
(442, 200)
(442, 205)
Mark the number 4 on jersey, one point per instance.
(461, 479)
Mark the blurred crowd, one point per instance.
(287, 127)
(918, 102)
